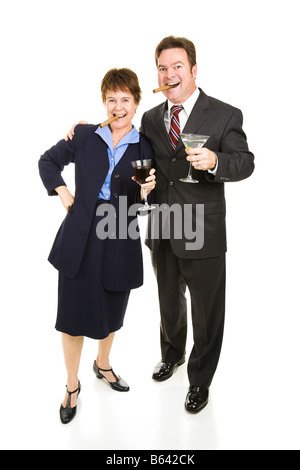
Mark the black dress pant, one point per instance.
(205, 279)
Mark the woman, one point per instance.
(97, 267)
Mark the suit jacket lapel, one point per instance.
(162, 128)
(198, 115)
(196, 119)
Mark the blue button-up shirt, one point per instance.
(114, 154)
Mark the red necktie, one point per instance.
(175, 126)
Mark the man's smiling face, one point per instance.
(174, 68)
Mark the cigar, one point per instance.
(106, 123)
(163, 88)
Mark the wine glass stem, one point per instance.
(145, 196)
(190, 170)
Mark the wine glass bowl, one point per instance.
(141, 170)
(192, 141)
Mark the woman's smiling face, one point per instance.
(120, 103)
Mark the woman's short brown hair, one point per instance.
(121, 79)
(172, 42)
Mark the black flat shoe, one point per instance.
(120, 385)
(165, 370)
(68, 414)
(196, 399)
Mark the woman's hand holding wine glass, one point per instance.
(144, 175)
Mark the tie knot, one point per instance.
(176, 110)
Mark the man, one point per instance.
(224, 158)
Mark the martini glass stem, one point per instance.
(190, 171)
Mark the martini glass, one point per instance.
(192, 141)
(141, 172)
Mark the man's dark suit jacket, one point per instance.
(123, 268)
(223, 123)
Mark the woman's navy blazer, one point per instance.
(123, 265)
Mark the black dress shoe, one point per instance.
(165, 370)
(196, 399)
(68, 414)
(120, 385)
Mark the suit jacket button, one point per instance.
(117, 176)
(116, 195)
(171, 183)
(173, 159)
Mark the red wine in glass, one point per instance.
(141, 172)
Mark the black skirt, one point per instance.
(85, 308)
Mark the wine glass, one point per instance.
(192, 141)
(141, 172)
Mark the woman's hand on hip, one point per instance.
(65, 196)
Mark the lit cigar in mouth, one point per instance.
(106, 123)
(166, 87)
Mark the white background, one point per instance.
(53, 57)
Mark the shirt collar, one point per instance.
(188, 104)
(132, 137)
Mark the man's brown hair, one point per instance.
(172, 42)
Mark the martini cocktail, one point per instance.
(192, 141)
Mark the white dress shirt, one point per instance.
(185, 113)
